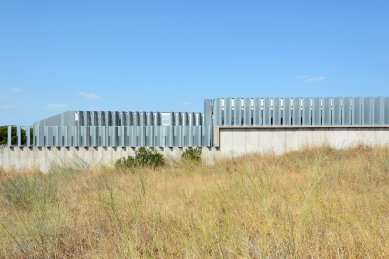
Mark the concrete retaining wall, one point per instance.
(234, 141)
(43, 158)
(228, 141)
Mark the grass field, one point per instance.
(312, 203)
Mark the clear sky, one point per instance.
(170, 55)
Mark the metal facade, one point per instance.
(115, 129)
(317, 111)
(188, 129)
(122, 136)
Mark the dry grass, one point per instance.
(313, 203)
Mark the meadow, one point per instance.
(317, 202)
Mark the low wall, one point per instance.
(234, 141)
(43, 158)
(229, 142)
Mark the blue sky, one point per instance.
(170, 55)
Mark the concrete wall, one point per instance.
(228, 141)
(43, 158)
(234, 141)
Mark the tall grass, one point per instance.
(312, 203)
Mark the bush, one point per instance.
(192, 154)
(124, 162)
(143, 157)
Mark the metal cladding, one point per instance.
(188, 129)
(123, 129)
(121, 136)
(317, 111)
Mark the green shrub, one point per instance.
(143, 157)
(126, 162)
(192, 154)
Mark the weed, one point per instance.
(24, 192)
(143, 157)
(192, 154)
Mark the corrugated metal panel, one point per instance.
(9, 136)
(296, 112)
(190, 119)
(102, 135)
(357, 111)
(277, 111)
(177, 136)
(185, 119)
(237, 112)
(28, 130)
(115, 120)
(116, 135)
(189, 137)
(93, 136)
(170, 136)
(83, 137)
(89, 132)
(141, 119)
(19, 136)
(157, 120)
(266, 112)
(228, 111)
(110, 137)
(121, 136)
(368, 106)
(316, 111)
(132, 137)
(101, 117)
(163, 136)
(208, 108)
(129, 119)
(247, 112)
(56, 136)
(121, 119)
(65, 136)
(207, 136)
(185, 137)
(50, 135)
(336, 111)
(149, 136)
(198, 119)
(136, 118)
(156, 136)
(306, 111)
(379, 108)
(386, 110)
(87, 137)
(217, 112)
(287, 111)
(257, 111)
(149, 119)
(347, 111)
(35, 136)
(141, 132)
(326, 113)
(59, 138)
(198, 137)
